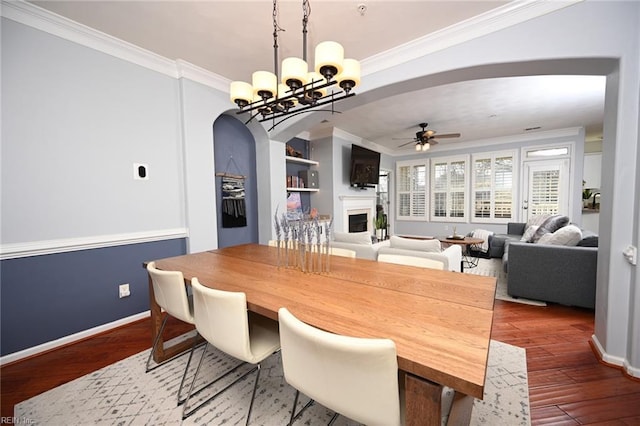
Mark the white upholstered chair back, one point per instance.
(170, 293)
(410, 260)
(221, 318)
(355, 377)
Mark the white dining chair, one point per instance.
(222, 318)
(171, 295)
(401, 259)
(355, 377)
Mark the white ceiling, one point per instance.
(234, 38)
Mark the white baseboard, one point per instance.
(615, 360)
(16, 356)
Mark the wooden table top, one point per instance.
(440, 320)
(463, 241)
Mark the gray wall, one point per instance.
(67, 169)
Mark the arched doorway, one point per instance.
(235, 166)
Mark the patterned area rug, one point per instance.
(123, 394)
(493, 268)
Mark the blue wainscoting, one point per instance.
(44, 298)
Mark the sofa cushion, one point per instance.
(589, 239)
(432, 246)
(353, 237)
(550, 225)
(569, 235)
(528, 233)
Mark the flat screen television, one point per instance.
(365, 167)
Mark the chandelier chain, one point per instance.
(306, 11)
(276, 28)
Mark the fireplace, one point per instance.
(358, 212)
(358, 222)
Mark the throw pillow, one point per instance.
(569, 235)
(536, 220)
(550, 225)
(413, 244)
(528, 233)
(353, 237)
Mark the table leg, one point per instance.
(422, 401)
(163, 352)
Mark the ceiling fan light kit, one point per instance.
(300, 90)
(425, 138)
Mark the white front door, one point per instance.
(545, 188)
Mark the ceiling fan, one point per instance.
(425, 138)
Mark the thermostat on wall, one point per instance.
(140, 171)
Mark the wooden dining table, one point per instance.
(439, 320)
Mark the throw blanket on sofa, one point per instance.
(484, 234)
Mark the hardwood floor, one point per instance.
(567, 384)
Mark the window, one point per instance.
(448, 190)
(492, 193)
(412, 190)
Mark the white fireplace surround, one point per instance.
(358, 204)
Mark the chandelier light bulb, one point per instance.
(317, 80)
(294, 72)
(418, 147)
(350, 75)
(329, 58)
(426, 146)
(241, 93)
(265, 84)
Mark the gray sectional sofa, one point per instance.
(564, 274)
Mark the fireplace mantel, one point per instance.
(358, 204)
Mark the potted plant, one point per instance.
(380, 223)
(586, 195)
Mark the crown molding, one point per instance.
(510, 14)
(193, 72)
(41, 19)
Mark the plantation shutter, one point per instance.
(412, 190)
(544, 192)
(449, 189)
(492, 187)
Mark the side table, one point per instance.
(468, 259)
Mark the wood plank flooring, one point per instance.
(567, 384)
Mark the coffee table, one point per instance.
(468, 259)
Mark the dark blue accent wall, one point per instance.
(47, 297)
(235, 153)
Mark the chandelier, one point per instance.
(296, 90)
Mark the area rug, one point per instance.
(123, 394)
(493, 268)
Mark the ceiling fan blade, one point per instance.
(405, 144)
(433, 142)
(401, 139)
(448, 135)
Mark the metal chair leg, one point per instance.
(253, 394)
(155, 344)
(186, 412)
(295, 416)
(186, 369)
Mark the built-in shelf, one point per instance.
(301, 161)
(303, 189)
